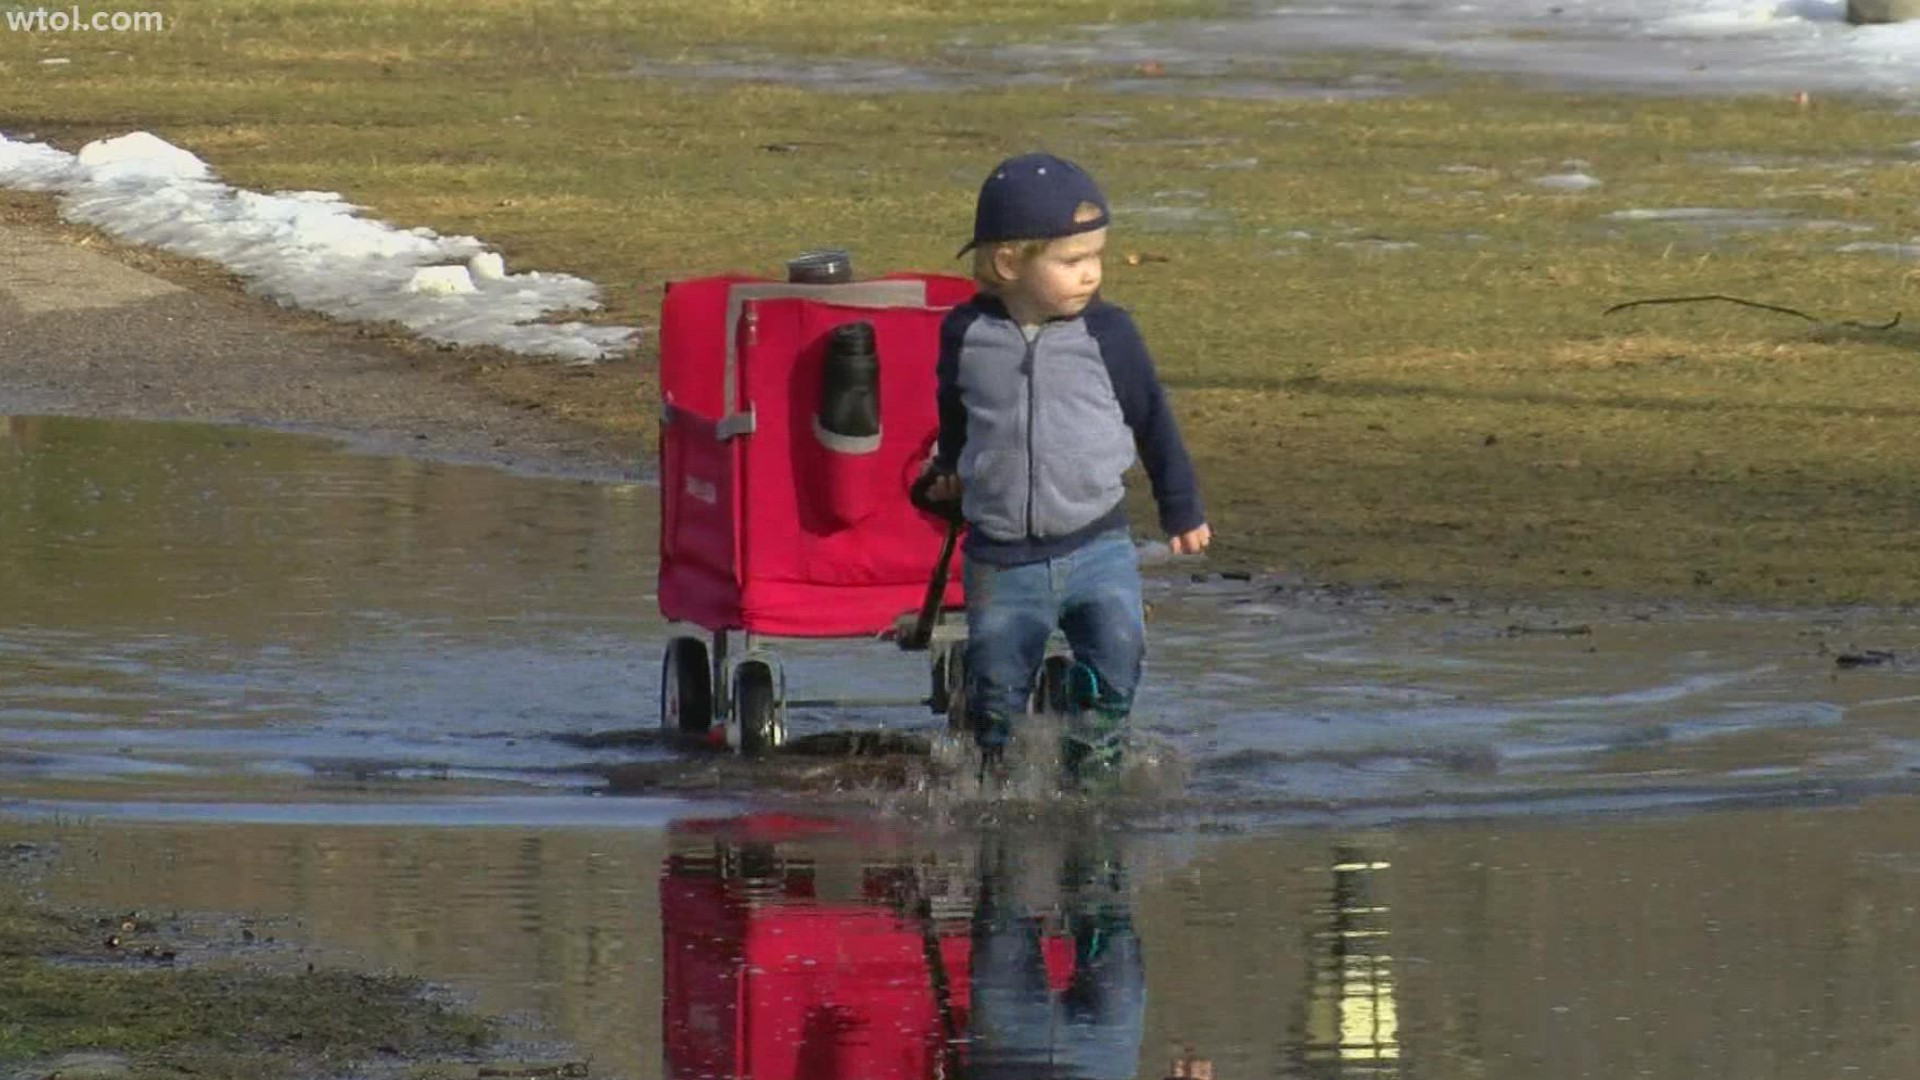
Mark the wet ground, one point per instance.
(206, 613)
(1280, 50)
(71, 302)
(404, 709)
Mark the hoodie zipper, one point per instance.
(1033, 348)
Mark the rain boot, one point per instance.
(1093, 747)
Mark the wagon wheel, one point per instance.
(756, 709)
(686, 688)
(1050, 693)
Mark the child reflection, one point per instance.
(1041, 1011)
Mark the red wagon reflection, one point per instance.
(780, 966)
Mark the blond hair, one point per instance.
(986, 270)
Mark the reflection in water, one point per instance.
(992, 964)
(1777, 944)
(1352, 1022)
(1031, 1018)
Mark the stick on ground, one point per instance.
(1888, 325)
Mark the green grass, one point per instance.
(1340, 398)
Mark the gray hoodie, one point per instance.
(1042, 431)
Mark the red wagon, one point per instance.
(794, 418)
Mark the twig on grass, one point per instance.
(1888, 325)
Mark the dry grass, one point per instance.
(1349, 297)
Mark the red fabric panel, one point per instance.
(807, 573)
(699, 505)
(693, 337)
(772, 531)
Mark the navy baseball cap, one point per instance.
(1033, 197)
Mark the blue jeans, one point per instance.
(1092, 593)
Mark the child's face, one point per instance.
(1059, 282)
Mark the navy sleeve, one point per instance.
(953, 411)
(1143, 403)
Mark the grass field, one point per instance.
(1385, 338)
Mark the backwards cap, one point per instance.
(1033, 197)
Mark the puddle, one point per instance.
(1356, 88)
(1378, 246)
(1751, 164)
(372, 709)
(867, 950)
(1569, 182)
(1716, 220)
(1899, 251)
(1153, 217)
(844, 75)
(219, 611)
(1707, 47)
(210, 623)
(1714, 47)
(1143, 70)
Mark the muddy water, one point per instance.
(218, 610)
(363, 700)
(1460, 709)
(227, 621)
(1778, 943)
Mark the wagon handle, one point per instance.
(920, 633)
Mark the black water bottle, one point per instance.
(850, 388)
(844, 478)
(823, 266)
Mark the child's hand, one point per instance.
(936, 492)
(945, 487)
(1191, 542)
